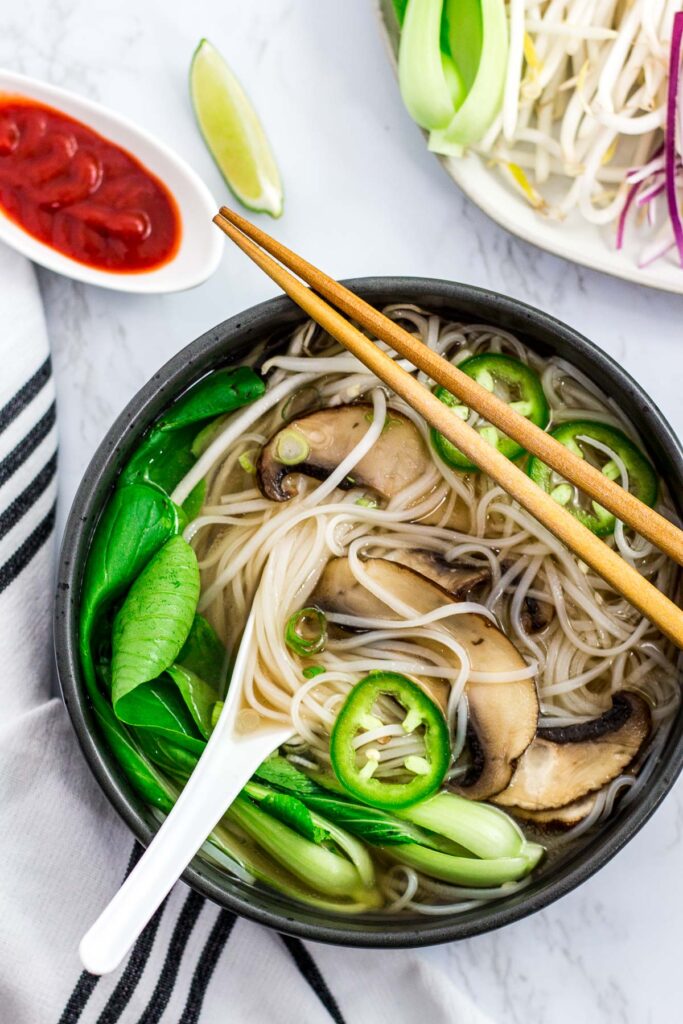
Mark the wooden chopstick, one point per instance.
(658, 608)
(624, 505)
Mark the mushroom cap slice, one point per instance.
(564, 764)
(536, 615)
(557, 819)
(327, 436)
(461, 579)
(502, 716)
(458, 578)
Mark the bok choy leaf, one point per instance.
(155, 619)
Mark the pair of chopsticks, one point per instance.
(658, 608)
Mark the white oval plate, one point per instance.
(201, 244)
(574, 238)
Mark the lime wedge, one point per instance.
(233, 132)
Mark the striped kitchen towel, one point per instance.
(63, 850)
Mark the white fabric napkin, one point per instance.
(64, 851)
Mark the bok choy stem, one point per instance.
(354, 850)
(323, 870)
(470, 871)
(430, 83)
(480, 828)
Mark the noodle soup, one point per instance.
(464, 694)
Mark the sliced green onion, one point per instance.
(246, 463)
(417, 765)
(292, 448)
(314, 670)
(306, 631)
(366, 502)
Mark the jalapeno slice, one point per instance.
(355, 764)
(588, 439)
(514, 382)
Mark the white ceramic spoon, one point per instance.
(228, 762)
(201, 245)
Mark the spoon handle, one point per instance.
(228, 762)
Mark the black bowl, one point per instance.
(227, 343)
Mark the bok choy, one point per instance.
(450, 838)
(430, 83)
(451, 66)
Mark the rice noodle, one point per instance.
(255, 551)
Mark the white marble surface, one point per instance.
(362, 197)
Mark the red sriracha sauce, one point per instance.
(81, 194)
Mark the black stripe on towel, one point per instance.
(137, 961)
(78, 998)
(86, 982)
(310, 971)
(206, 964)
(25, 394)
(28, 497)
(11, 463)
(163, 990)
(17, 562)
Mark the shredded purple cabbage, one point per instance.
(663, 172)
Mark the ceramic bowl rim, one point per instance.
(182, 369)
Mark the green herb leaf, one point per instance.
(137, 521)
(155, 619)
(323, 869)
(159, 707)
(151, 786)
(207, 435)
(163, 458)
(293, 813)
(220, 392)
(204, 654)
(192, 505)
(279, 772)
(177, 761)
(378, 828)
(368, 823)
(198, 696)
(165, 455)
